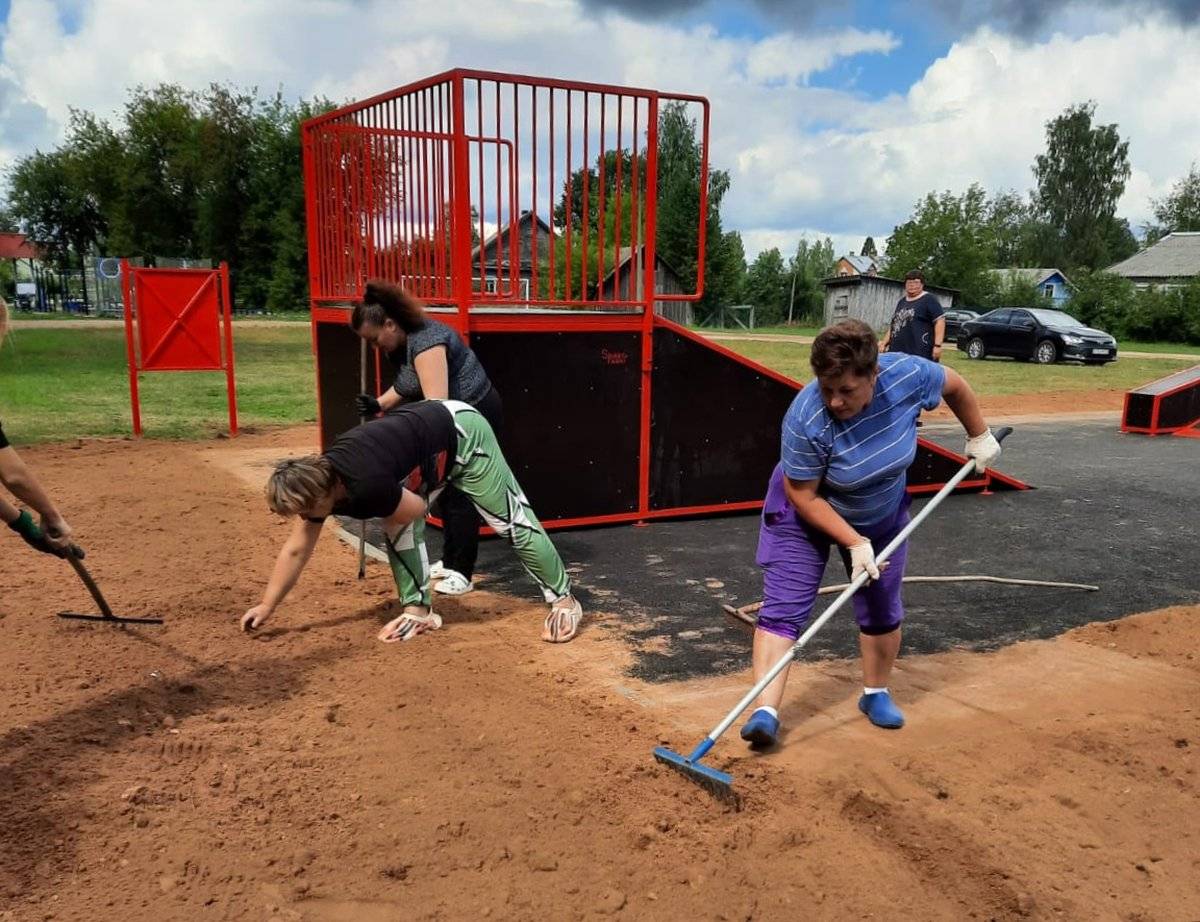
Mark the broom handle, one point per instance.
(362, 525)
(854, 586)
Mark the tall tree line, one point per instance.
(213, 174)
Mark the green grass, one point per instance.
(778, 329)
(1178, 348)
(991, 377)
(71, 383)
(289, 316)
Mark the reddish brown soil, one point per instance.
(189, 772)
(1075, 402)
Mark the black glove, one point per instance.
(28, 529)
(367, 405)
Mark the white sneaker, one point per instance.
(453, 583)
(437, 571)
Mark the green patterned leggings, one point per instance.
(481, 472)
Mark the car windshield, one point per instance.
(1055, 318)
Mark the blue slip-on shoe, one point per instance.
(761, 730)
(881, 710)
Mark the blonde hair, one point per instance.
(3, 320)
(298, 484)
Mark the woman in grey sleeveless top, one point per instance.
(432, 362)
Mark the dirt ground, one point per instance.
(311, 773)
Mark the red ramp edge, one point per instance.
(920, 482)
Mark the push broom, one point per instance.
(719, 783)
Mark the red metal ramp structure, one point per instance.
(524, 212)
(1170, 405)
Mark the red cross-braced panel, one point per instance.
(178, 319)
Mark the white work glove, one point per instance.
(862, 558)
(984, 449)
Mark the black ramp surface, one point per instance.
(1110, 509)
(1180, 408)
(714, 435)
(338, 353)
(571, 417)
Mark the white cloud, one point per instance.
(800, 156)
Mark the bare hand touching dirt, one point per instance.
(255, 617)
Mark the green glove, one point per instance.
(28, 529)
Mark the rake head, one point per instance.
(108, 619)
(718, 783)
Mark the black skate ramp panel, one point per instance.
(1164, 405)
(571, 417)
(337, 379)
(714, 432)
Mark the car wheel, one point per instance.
(1046, 353)
(975, 348)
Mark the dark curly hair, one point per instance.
(848, 345)
(383, 300)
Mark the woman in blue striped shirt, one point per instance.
(848, 439)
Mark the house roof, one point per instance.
(1175, 256)
(837, 280)
(1035, 276)
(17, 246)
(862, 264)
(495, 235)
(625, 254)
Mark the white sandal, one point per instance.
(571, 612)
(408, 626)
(453, 583)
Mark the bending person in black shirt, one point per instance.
(391, 468)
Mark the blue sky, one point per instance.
(832, 118)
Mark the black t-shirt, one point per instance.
(412, 446)
(3, 439)
(912, 325)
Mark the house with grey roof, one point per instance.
(1053, 283)
(854, 264)
(1170, 263)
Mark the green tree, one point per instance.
(1080, 178)
(1179, 210)
(767, 286)
(948, 237)
(679, 160)
(809, 265)
(1103, 299)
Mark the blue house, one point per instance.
(1050, 282)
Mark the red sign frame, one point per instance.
(179, 316)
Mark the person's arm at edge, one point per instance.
(289, 564)
(15, 475)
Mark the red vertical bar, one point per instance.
(500, 290)
(410, 237)
(600, 260)
(230, 387)
(514, 208)
(426, 196)
(619, 191)
(586, 209)
(482, 198)
(552, 286)
(570, 207)
(702, 235)
(635, 215)
(439, 217)
(534, 261)
(648, 292)
(460, 228)
(130, 355)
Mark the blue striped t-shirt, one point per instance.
(862, 460)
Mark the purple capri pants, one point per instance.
(793, 555)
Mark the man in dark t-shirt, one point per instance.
(391, 468)
(918, 324)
